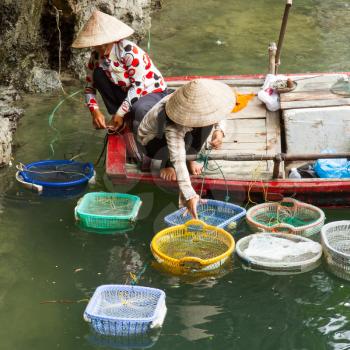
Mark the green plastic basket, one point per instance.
(107, 211)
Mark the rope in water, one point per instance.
(204, 157)
(51, 120)
(136, 278)
(149, 41)
(22, 167)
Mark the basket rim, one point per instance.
(324, 238)
(242, 212)
(121, 287)
(136, 205)
(81, 181)
(204, 262)
(253, 209)
(249, 260)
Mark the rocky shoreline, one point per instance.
(9, 116)
(36, 47)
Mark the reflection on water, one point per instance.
(213, 37)
(45, 256)
(194, 318)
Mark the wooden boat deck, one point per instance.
(253, 130)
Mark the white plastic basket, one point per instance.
(335, 238)
(289, 264)
(124, 310)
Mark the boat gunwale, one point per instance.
(278, 186)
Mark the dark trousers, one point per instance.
(112, 94)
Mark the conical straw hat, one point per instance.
(101, 29)
(201, 102)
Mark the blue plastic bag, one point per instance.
(332, 168)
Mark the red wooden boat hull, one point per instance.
(323, 192)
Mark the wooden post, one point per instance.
(272, 58)
(282, 33)
(276, 166)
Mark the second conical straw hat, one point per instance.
(101, 29)
(201, 102)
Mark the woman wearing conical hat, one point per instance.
(179, 124)
(120, 70)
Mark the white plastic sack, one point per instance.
(268, 94)
(277, 249)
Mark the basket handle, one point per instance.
(76, 209)
(86, 317)
(92, 180)
(191, 263)
(195, 222)
(288, 200)
(28, 185)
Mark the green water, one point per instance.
(45, 257)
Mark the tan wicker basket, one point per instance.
(311, 215)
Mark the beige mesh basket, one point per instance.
(335, 238)
(288, 216)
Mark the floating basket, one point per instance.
(335, 238)
(215, 213)
(279, 252)
(107, 211)
(194, 246)
(288, 216)
(55, 176)
(123, 310)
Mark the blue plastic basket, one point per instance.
(55, 175)
(123, 310)
(215, 213)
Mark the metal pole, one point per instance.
(277, 157)
(282, 33)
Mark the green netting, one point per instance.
(341, 87)
(271, 219)
(289, 215)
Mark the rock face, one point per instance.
(9, 115)
(36, 37)
(35, 40)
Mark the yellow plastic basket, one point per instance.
(194, 246)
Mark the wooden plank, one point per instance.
(236, 137)
(244, 146)
(247, 89)
(246, 125)
(240, 170)
(316, 103)
(273, 132)
(321, 82)
(233, 82)
(254, 110)
(231, 166)
(313, 92)
(243, 176)
(273, 139)
(311, 95)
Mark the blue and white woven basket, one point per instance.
(124, 310)
(215, 213)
